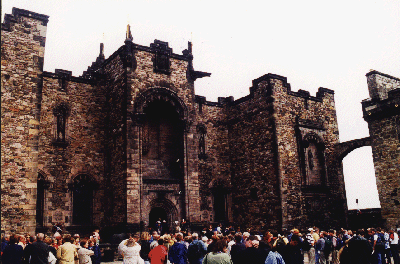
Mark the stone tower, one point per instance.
(23, 37)
(382, 112)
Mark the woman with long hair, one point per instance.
(218, 254)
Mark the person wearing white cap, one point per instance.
(311, 252)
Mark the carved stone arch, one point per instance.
(168, 206)
(315, 138)
(344, 148)
(163, 94)
(313, 160)
(220, 183)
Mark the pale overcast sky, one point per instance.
(330, 44)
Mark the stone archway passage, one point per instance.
(157, 214)
(344, 148)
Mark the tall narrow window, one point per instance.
(61, 114)
(41, 184)
(201, 129)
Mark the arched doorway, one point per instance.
(82, 211)
(158, 219)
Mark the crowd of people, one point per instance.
(55, 249)
(213, 246)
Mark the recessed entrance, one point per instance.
(158, 214)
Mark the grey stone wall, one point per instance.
(23, 37)
(382, 112)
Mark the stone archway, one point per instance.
(164, 209)
(344, 148)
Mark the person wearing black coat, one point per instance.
(291, 253)
(12, 253)
(237, 248)
(356, 251)
(37, 252)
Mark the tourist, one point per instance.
(378, 245)
(293, 253)
(387, 252)
(13, 253)
(178, 251)
(308, 246)
(196, 250)
(218, 254)
(319, 250)
(251, 254)
(52, 250)
(145, 247)
(37, 252)
(237, 248)
(77, 246)
(131, 251)
(274, 257)
(66, 253)
(357, 250)
(84, 253)
(22, 241)
(4, 242)
(214, 240)
(96, 258)
(158, 255)
(394, 245)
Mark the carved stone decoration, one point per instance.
(61, 113)
(314, 160)
(64, 77)
(162, 54)
(202, 130)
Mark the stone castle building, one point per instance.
(130, 142)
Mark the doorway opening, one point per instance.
(158, 220)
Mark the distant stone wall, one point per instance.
(383, 116)
(23, 37)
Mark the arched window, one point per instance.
(82, 193)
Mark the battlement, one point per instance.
(9, 19)
(379, 84)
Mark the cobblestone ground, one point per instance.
(121, 262)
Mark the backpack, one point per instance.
(306, 245)
(328, 246)
(380, 242)
(194, 251)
